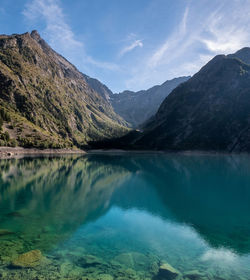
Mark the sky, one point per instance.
(133, 44)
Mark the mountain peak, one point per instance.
(35, 35)
(242, 54)
(50, 97)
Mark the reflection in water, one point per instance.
(58, 192)
(123, 216)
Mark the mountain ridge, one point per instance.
(208, 112)
(138, 107)
(48, 99)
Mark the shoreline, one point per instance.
(164, 152)
(18, 152)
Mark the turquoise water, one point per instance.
(123, 216)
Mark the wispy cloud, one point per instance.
(201, 34)
(59, 33)
(102, 64)
(204, 28)
(57, 30)
(226, 34)
(172, 44)
(129, 48)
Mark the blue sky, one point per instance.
(133, 44)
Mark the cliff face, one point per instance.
(208, 112)
(99, 87)
(47, 99)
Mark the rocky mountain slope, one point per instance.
(211, 111)
(137, 107)
(45, 101)
(99, 87)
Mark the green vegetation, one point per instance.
(46, 102)
(5, 139)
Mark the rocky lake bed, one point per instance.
(117, 216)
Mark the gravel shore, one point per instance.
(10, 152)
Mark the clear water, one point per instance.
(122, 216)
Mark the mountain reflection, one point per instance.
(209, 193)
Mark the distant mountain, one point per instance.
(45, 101)
(211, 111)
(137, 107)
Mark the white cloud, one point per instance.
(205, 28)
(59, 33)
(172, 44)
(204, 31)
(133, 45)
(226, 33)
(57, 30)
(102, 64)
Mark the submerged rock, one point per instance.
(68, 269)
(167, 272)
(89, 261)
(134, 260)
(194, 275)
(105, 277)
(5, 232)
(29, 259)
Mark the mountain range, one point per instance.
(46, 102)
(137, 107)
(209, 112)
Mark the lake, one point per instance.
(125, 216)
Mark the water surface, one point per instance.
(122, 216)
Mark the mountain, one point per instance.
(99, 87)
(45, 101)
(137, 107)
(211, 111)
(242, 54)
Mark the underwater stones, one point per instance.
(194, 275)
(125, 259)
(133, 260)
(29, 259)
(5, 232)
(89, 261)
(9, 250)
(105, 277)
(135, 265)
(65, 268)
(68, 269)
(167, 272)
(154, 268)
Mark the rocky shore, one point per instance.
(17, 152)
